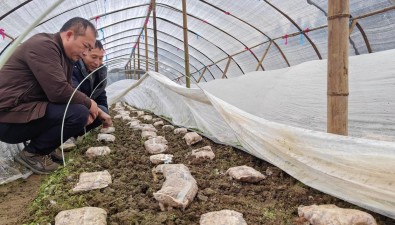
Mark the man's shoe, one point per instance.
(56, 156)
(40, 164)
(69, 144)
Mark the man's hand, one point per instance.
(93, 112)
(105, 118)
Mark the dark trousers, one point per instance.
(97, 122)
(44, 133)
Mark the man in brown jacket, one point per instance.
(35, 86)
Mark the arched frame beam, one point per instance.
(171, 36)
(243, 21)
(14, 9)
(151, 51)
(169, 66)
(297, 26)
(365, 38)
(180, 11)
(163, 19)
(162, 49)
(245, 46)
(151, 45)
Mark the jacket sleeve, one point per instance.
(102, 98)
(74, 78)
(44, 60)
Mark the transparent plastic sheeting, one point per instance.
(216, 29)
(10, 171)
(358, 170)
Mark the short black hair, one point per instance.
(78, 25)
(99, 45)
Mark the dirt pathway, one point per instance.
(15, 197)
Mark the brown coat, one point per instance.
(37, 73)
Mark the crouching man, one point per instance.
(35, 86)
(94, 86)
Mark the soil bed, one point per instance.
(129, 199)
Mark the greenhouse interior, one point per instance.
(206, 112)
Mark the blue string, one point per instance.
(301, 39)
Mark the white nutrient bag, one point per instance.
(94, 180)
(158, 123)
(223, 217)
(161, 158)
(192, 138)
(179, 188)
(331, 214)
(127, 118)
(134, 124)
(82, 216)
(140, 113)
(124, 113)
(148, 128)
(180, 131)
(168, 128)
(245, 174)
(97, 151)
(145, 127)
(107, 130)
(106, 137)
(156, 119)
(203, 153)
(156, 145)
(147, 117)
(148, 134)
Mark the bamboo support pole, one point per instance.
(263, 57)
(186, 53)
(201, 75)
(338, 33)
(134, 65)
(155, 36)
(146, 47)
(226, 68)
(354, 22)
(130, 70)
(138, 59)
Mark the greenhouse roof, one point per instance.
(231, 36)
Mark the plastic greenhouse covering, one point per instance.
(275, 111)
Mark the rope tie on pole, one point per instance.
(341, 15)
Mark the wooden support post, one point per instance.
(186, 54)
(138, 59)
(354, 22)
(155, 36)
(226, 68)
(201, 75)
(264, 55)
(337, 90)
(146, 48)
(134, 65)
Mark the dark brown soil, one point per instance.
(15, 196)
(129, 199)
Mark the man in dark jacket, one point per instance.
(35, 86)
(94, 86)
